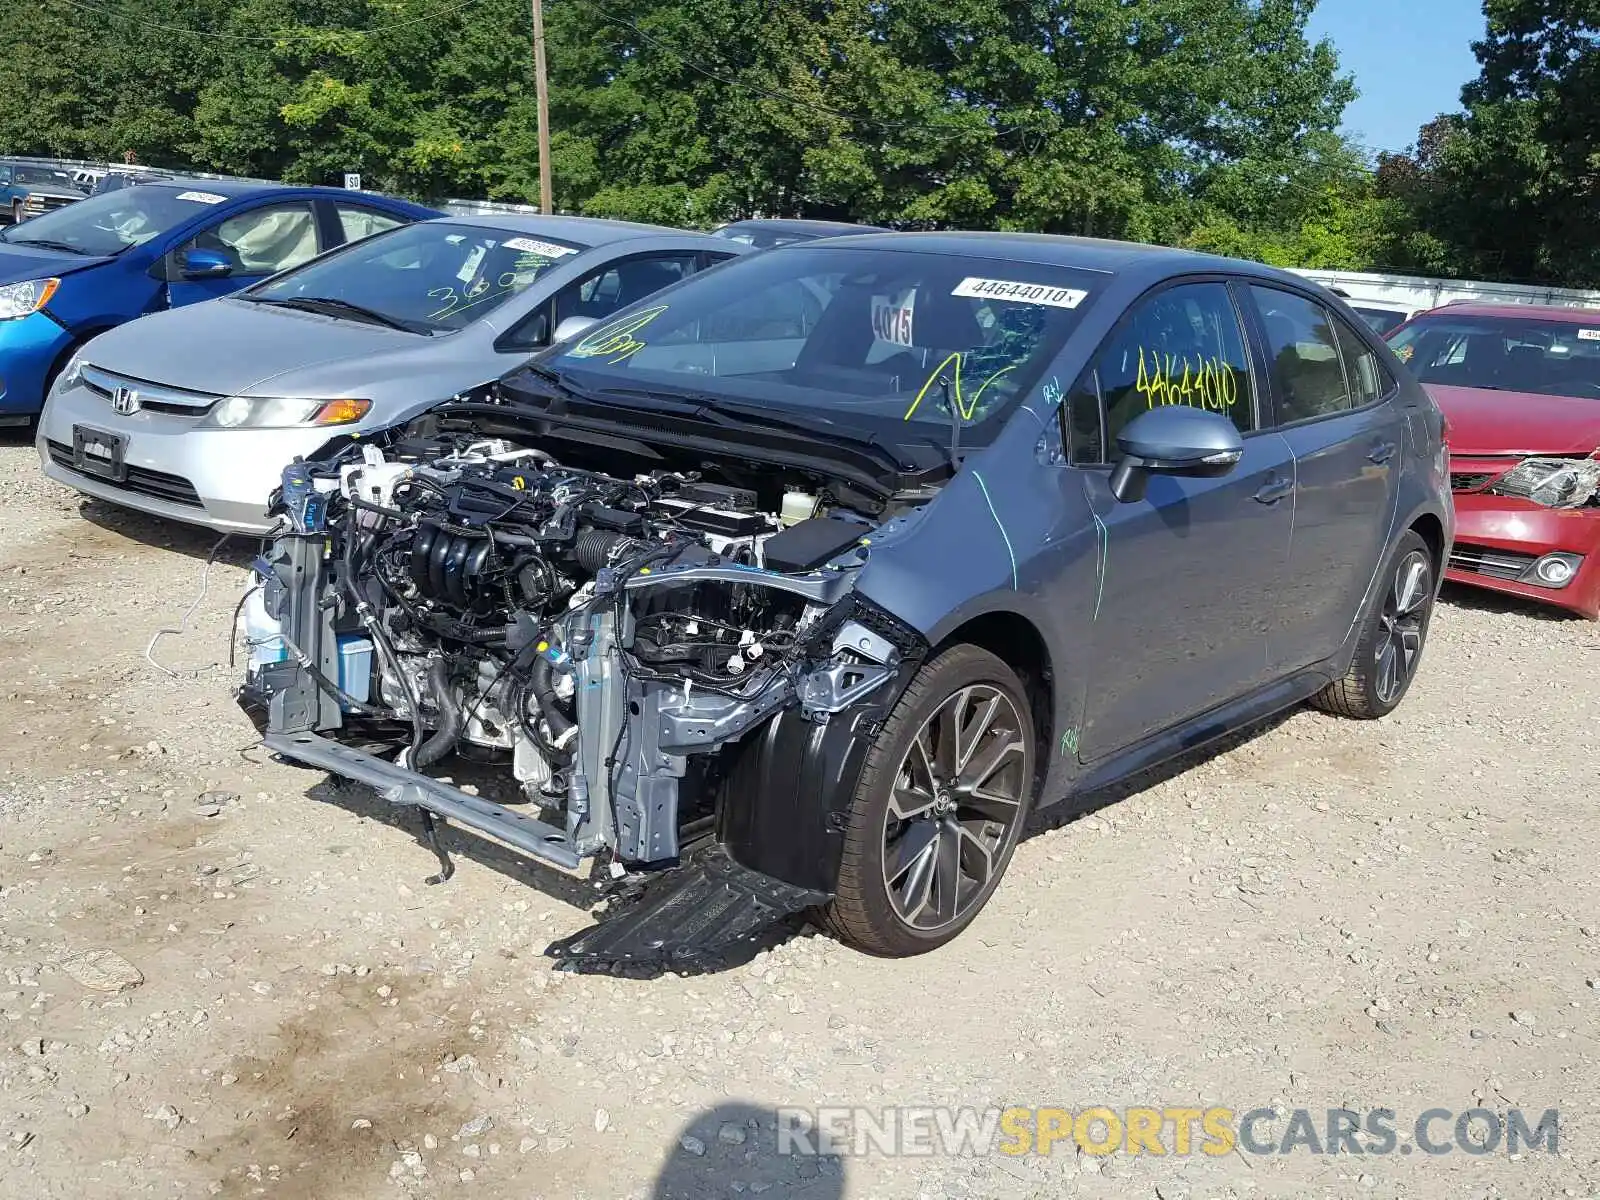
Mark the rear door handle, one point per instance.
(1381, 452)
(1275, 488)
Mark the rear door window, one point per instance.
(1303, 355)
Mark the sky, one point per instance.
(1409, 59)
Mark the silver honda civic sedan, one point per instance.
(193, 414)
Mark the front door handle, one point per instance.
(1381, 452)
(1275, 488)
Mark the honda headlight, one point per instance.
(24, 299)
(71, 373)
(1552, 482)
(284, 412)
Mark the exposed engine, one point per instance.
(604, 637)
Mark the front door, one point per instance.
(1337, 408)
(1187, 575)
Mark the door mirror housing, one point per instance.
(1173, 439)
(206, 264)
(571, 327)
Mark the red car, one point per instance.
(1520, 388)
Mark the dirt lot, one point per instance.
(1393, 915)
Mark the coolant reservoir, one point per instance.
(797, 506)
(262, 634)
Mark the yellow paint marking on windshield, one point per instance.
(965, 409)
(615, 342)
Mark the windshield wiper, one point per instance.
(48, 244)
(329, 306)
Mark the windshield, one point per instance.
(44, 175)
(435, 275)
(889, 341)
(110, 223)
(1514, 354)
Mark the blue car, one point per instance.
(75, 272)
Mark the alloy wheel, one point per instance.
(957, 796)
(1400, 625)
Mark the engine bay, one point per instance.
(605, 639)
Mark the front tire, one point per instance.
(1396, 628)
(938, 809)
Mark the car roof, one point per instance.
(234, 189)
(804, 225)
(1057, 250)
(589, 231)
(1528, 312)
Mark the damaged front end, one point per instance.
(672, 683)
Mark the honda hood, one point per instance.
(1488, 422)
(231, 347)
(18, 264)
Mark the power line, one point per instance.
(301, 36)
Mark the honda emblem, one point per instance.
(125, 401)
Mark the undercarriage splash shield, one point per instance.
(697, 917)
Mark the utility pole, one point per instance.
(541, 87)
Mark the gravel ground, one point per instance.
(1396, 915)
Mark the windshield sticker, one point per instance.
(892, 317)
(1019, 293)
(469, 269)
(535, 246)
(615, 342)
(1404, 353)
(1589, 335)
(1206, 383)
(202, 197)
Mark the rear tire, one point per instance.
(942, 799)
(1394, 632)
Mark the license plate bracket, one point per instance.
(99, 453)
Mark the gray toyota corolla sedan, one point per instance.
(803, 583)
(193, 414)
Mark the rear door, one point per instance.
(1189, 574)
(1338, 409)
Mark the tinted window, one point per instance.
(907, 342)
(1513, 354)
(1365, 375)
(1304, 354)
(1081, 422)
(1180, 346)
(262, 241)
(436, 275)
(604, 291)
(44, 175)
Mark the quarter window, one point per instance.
(1304, 353)
(1367, 378)
(1182, 345)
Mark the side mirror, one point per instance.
(206, 264)
(1173, 440)
(572, 327)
